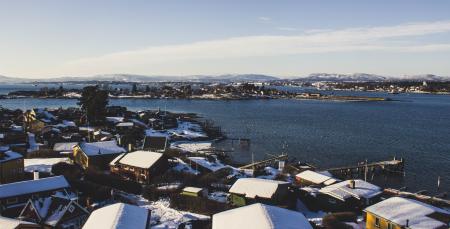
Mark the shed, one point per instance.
(247, 190)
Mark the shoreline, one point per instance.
(296, 97)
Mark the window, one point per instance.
(12, 200)
(377, 222)
(71, 208)
(390, 226)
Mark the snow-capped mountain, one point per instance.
(237, 78)
(425, 77)
(6, 79)
(142, 78)
(333, 77)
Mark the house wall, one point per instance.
(80, 158)
(137, 174)
(11, 171)
(19, 201)
(140, 175)
(237, 200)
(370, 222)
(28, 226)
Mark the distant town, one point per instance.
(97, 164)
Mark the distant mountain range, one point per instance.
(141, 78)
(331, 77)
(364, 77)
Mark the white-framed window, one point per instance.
(377, 222)
(71, 208)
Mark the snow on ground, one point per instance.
(34, 146)
(72, 95)
(221, 197)
(210, 165)
(162, 215)
(173, 186)
(183, 167)
(165, 217)
(43, 165)
(191, 147)
(186, 130)
(271, 173)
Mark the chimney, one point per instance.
(281, 165)
(352, 184)
(407, 223)
(35, 175)
(130, 147)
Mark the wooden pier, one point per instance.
(393, 166)
(265, 162)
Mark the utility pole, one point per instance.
(365, 172)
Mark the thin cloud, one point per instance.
(287, 28)
(265, 19)
(346, 40)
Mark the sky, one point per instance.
(56, 38)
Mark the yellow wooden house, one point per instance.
(403, 213)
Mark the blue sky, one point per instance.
(284, 38)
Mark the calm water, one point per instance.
(326, 133)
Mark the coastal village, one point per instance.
(63, 168)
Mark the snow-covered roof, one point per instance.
(192, 189)
(315, 177)
(10, 155)
(252, 187)
(64, 146)
(343, 191)
(45, 113)
(115, 119)
(69, 123)
(193, 147)
(102, 132)
(42, 164)
(33, 186)
(118, 216)
(141, 159)
(260, 216)
(398, 210)
(154, 133)
(52, 209)
(101, 148)
(8, 223)
(204, 162)
(86, 128)
(125, 124)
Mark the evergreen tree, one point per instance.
(93, 102)
(134, 89)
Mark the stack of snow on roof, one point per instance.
(260, 216)
(119, 216)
